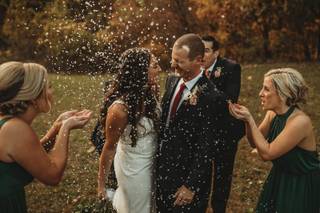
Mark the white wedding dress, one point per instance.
(133, 168)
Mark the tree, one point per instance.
(303, 18)
(4, 4)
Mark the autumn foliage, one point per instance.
(88, 35)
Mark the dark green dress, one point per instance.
(13, 178)
(293, 184)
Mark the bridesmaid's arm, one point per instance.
(256, 138)
(263, 128)
(116, 121)
(49, 139)
(25, 148)
(295, 130)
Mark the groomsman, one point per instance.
(191, 107)
(226, 76)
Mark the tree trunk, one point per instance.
(318, 48)
(3, 10)
(307, 54)
(180, 6)
(266, 49)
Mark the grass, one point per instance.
(77, 191)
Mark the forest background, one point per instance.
(88, 35)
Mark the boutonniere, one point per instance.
(193, 97)
(217, 72)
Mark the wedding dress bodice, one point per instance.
(138, 157)
(133, 168)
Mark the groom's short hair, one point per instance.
(192, 43)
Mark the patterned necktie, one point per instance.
(176, 101)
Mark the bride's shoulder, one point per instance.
(118, 109)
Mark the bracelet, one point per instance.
(49, 144)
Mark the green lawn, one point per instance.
(78, 189)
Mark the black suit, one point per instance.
(228, 81)
(184, 152)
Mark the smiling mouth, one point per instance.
(177, 70)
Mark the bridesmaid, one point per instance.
(286, 138)
(24, 94)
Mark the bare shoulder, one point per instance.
(16, 128)
(116, 122)
(117, 113)
(19, 136)
(300, 120)
(120, 110)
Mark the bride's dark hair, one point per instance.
(131, 85)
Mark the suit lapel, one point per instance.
(185, 104)
(218, 64)
(168, 96)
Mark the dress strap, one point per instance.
(119, 101)
(4, 120)
(278, 123)
(287, 113)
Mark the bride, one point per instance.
(130, 129)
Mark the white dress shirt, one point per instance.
(210, 69)
(185, 94)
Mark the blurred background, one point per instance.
(87, 35)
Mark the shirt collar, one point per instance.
(212, 66)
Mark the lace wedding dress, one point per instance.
(133, 168)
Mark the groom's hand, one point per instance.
(183, 196)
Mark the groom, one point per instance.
(192, 108)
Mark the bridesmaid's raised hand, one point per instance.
(240, 112)
(63, 116)
(78, 120)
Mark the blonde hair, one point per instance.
(21, 83)
(289, 85)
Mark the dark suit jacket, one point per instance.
(185, 148)
(229, 83)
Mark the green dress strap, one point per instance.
(4, 120)
(278, 123)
